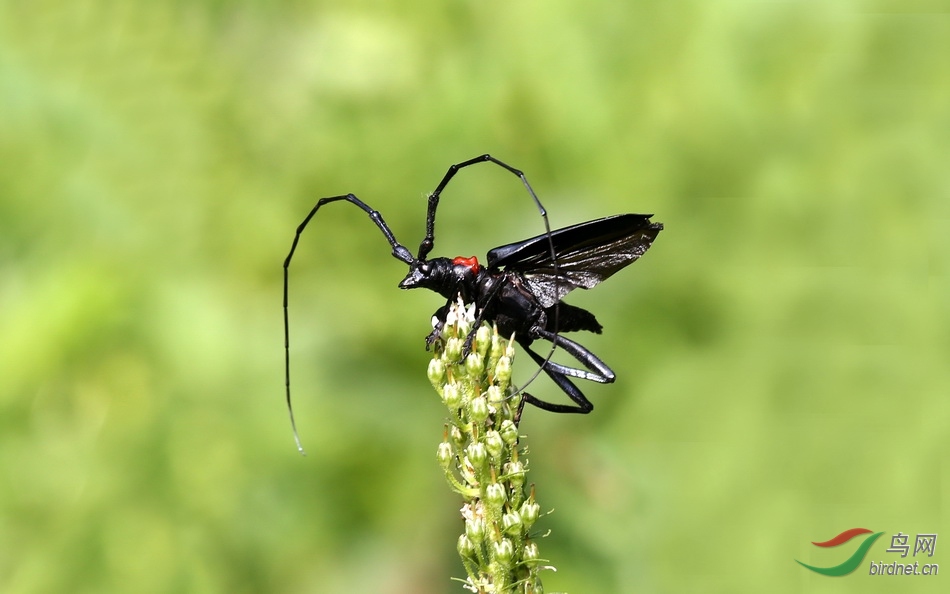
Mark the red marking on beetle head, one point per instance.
(472, 263)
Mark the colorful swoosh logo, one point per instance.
(853, 561)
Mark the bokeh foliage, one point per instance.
(782, 350)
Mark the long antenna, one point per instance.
(290, 408)
(398, 251)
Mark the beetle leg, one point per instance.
(479, 318)
(583, 406)
(597, 369)
(438, 323)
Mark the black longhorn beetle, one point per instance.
(519, 288)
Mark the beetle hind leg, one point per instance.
(582, 406)
(597, 370)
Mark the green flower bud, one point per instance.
(478, 409)
(529, 513)
(531, 554)
(503, 371)
(509, 432)
(445, 454)
(495, 495)
(474, 364)
(494, 444)
(477, 455)
(515, 473)
(515, 401)
(452, 350)
(436, 372)
(504, 551)
(483, 340)
(495, 396)
(465, 547)
(451, 396)
(475, 529)
(511, 523)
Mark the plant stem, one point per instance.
(482, 459)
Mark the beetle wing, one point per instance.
(587, 254)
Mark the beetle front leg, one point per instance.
(484, 304)
(470, 339)
(438, 323)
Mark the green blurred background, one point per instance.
(782, 351)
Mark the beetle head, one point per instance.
(447, 277)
